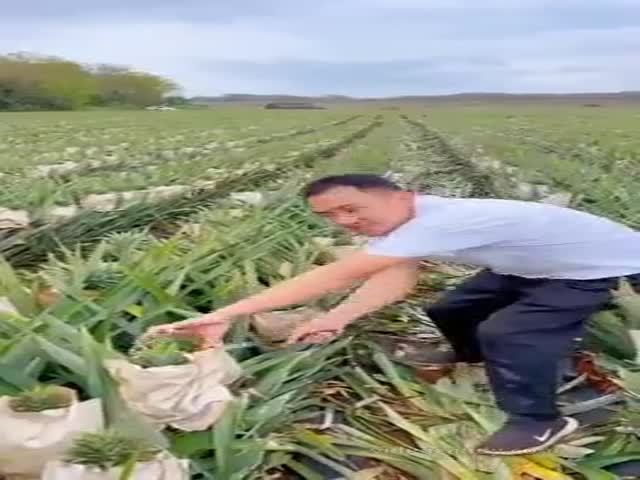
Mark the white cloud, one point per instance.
(487, 4)
(428, 40)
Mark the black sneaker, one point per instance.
(445, 357)
(442, 356)
(523, 437)
(438, 358)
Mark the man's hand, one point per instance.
(315, 283)
(211, 328)
(318, 330)
(383, 288)
(388, 279)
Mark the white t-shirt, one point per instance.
(526, 239)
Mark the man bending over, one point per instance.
(547, 269)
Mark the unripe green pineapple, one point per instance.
(628, 301)
(163, 350)
(186, 342)
(109, 449)
(41, 398)
(108, 275)
(159, 356)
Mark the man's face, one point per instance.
(364, 212)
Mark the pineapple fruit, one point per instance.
(41, 398)
(164, 350)
(109, 449)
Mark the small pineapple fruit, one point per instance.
(164, 350)
(42, 397)
(107, 275)
(109, 449)
(186, 342)
(47, 296)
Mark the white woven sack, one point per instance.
(189, 397)
(29, 439)
(164, 467)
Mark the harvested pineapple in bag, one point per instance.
(274, 327)
(106, 456)
(172, 382)
(39, 425)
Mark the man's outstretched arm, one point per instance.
(300, 289)
(381, 289)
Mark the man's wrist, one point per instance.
(216, 317)
(228, 313)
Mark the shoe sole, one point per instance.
(447, 365)
(571, 426)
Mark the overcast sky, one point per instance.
(352, 47)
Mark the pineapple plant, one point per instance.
(102, 277)
(41, 398)
(75, 276)
(616, 332)
(628, 301)
(106, 276)
(109, 449)
(164, 350)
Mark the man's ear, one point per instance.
(408, 196)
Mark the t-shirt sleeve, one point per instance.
(420, 238)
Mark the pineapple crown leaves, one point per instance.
(41, 398)
(107, 275)
(109, 449)
(160, 350)
(188, 343)
(94, 274)
(121, 244)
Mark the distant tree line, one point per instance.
(31, 82)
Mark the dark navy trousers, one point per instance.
(521, 328)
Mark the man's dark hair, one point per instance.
(361, 181)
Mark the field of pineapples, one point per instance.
(112, 222)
